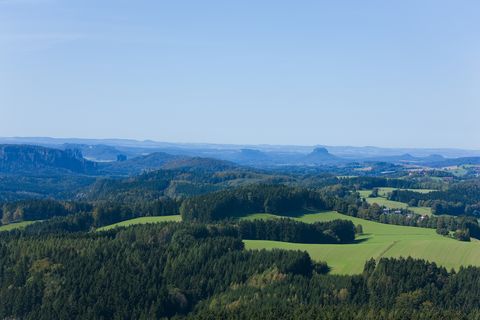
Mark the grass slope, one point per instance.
(383, 201)
(142, 220)
(380, 240)
(17, 225)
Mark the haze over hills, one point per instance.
(108, 149)
(127, 157)
(62, 170)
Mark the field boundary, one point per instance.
(390, 246)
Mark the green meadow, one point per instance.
(16, 225)
(382, 200)
(384, 191)
(379, 240)
(142, 220)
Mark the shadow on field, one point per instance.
(297, 213)
(360, 240)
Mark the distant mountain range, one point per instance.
(34, 171)
(149, 146)
(126, 157)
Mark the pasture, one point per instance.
(383, 192)
(142, 220)
(379, 240)
(16, 225)
(382, 200)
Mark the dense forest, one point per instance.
(276, 199)
(203, 272)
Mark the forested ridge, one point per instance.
(203, 272)
(145, 272)
(232, 203)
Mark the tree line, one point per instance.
(102, 213)
(288, 230)
(232, 203)
(461, 198)
(275, 199)
(285, 201)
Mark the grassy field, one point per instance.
(383, 201)
(380, 240)
(142, 220)
(399, 205)
(17, 225)
(384, 191)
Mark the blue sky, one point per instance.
(385, 73)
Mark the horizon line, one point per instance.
(137, 140)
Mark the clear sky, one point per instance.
(337, 72)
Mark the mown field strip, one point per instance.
(16, 225)
(142, 220)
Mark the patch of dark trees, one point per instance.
(288, 230)
(275, 199)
